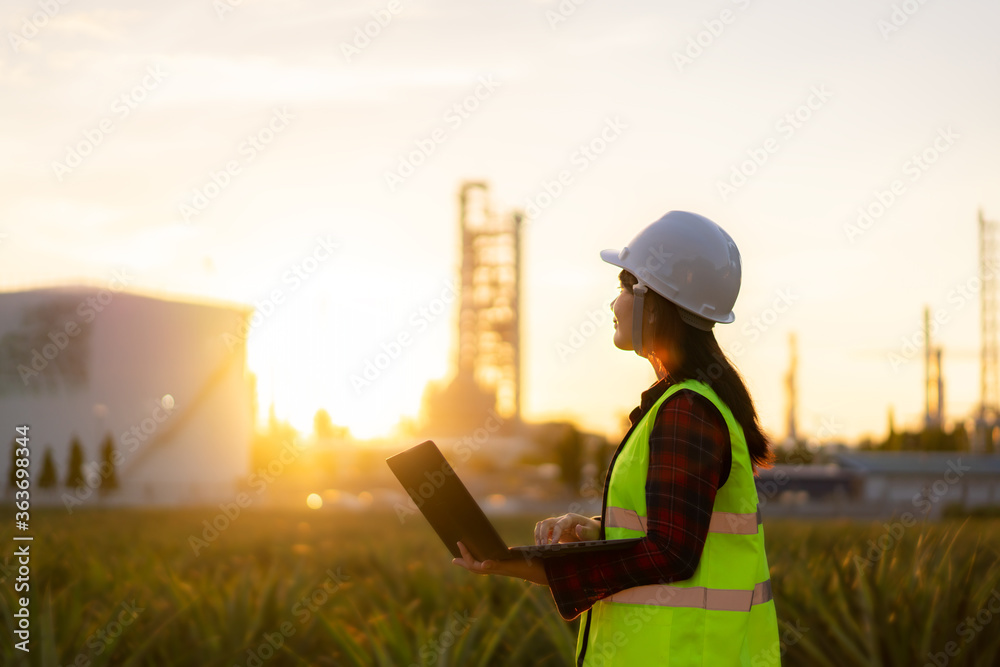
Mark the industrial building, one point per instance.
(925, 481)
(870, 484)
(167, 380)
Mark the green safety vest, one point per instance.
(723, 615)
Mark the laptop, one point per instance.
(455, 515)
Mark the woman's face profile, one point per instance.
(621, 306)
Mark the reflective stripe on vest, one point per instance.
(697, 597)
(728, 523)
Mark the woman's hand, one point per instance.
(529, 569)
(566, 528)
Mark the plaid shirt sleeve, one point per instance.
(687, 447)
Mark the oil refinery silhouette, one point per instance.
(487, 354)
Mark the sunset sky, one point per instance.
(250, 150)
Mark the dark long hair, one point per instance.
(695, 354)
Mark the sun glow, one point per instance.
(328, 348)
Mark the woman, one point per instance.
(695, 590)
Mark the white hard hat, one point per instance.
(688, 260)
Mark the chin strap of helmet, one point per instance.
(638, 296)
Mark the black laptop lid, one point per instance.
(448, 506)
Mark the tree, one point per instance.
(570, 456)
(109, 479)
(325, 429)
(74, 475)
(48, 478)
(799, 454)
(933, 439)
(268, 445)
(323, 425)
(560, 443)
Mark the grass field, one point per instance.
(319, 588)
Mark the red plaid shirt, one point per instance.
(689, 460)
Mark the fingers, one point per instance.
(465, 560)
(557, 529)
(588, 529)
(543, 531)
(469, 562)
(550, 531)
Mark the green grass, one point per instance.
(354, 589)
